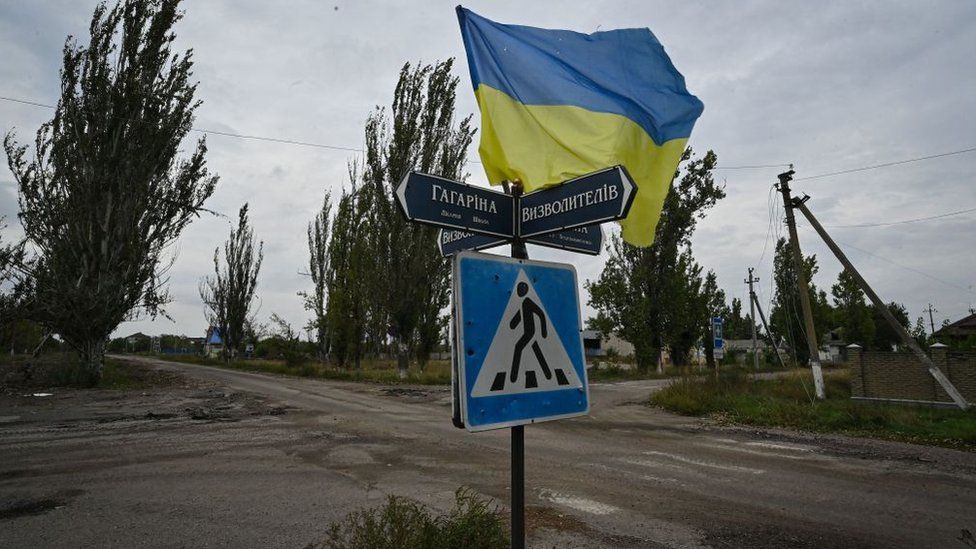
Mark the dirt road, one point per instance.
(236, 459)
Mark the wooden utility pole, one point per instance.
(752, 318)
(769, 334)
(906, 338)
(931, 320)
(802, 286)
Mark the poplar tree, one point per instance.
(228, 295)
(351, 275)
(318, 270)
(410, 278)
(105, 190)
(851, 311)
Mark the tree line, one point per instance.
(844, 317)
(379, 286)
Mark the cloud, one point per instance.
(826, 86)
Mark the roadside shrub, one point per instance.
(473, 523)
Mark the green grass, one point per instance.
(613, 372)
(787, 402)
(437, 372)
(473, 523)
(57, 370)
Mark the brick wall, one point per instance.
(900, 375)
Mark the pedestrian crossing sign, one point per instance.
(519, 348)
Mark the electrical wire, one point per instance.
(904, 221)
(755, 167)
(769, 225)
(223, 133)
(286, 141)
(896, 264)
(886, 164)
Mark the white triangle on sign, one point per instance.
(543, 363)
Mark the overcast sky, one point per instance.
(826, 86)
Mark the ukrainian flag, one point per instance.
(558, 104)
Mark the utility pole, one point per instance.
(931, 320)
(906, 338)
(802, 286)
(752, 318)
(772, 340)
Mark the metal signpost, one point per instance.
(516, 345)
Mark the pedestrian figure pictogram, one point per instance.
(525, 355)
(526, 317)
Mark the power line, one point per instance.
(286, 141)
(25, 102)
(904, 221)
(218, 132)
(277, 140)
(887, 164)
(754, 167)
(896, 264)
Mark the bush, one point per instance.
(402, 524)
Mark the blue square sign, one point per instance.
(519, 349)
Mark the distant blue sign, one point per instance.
(718, 342)
(445, 203)
(519, 348)
(601, 196)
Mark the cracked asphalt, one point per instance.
(223, 458)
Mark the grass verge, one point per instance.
(473, 523)
(61, 370)
(437, 372)
(787, 402)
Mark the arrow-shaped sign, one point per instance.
(585, 240)
(601, 196)
(445, 203)
(451, 241)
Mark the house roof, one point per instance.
(963, 327)
(213, 336)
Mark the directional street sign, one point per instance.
(585, 240)
(519, 349)
(451, 241)
(601, 196)
(445, 203)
